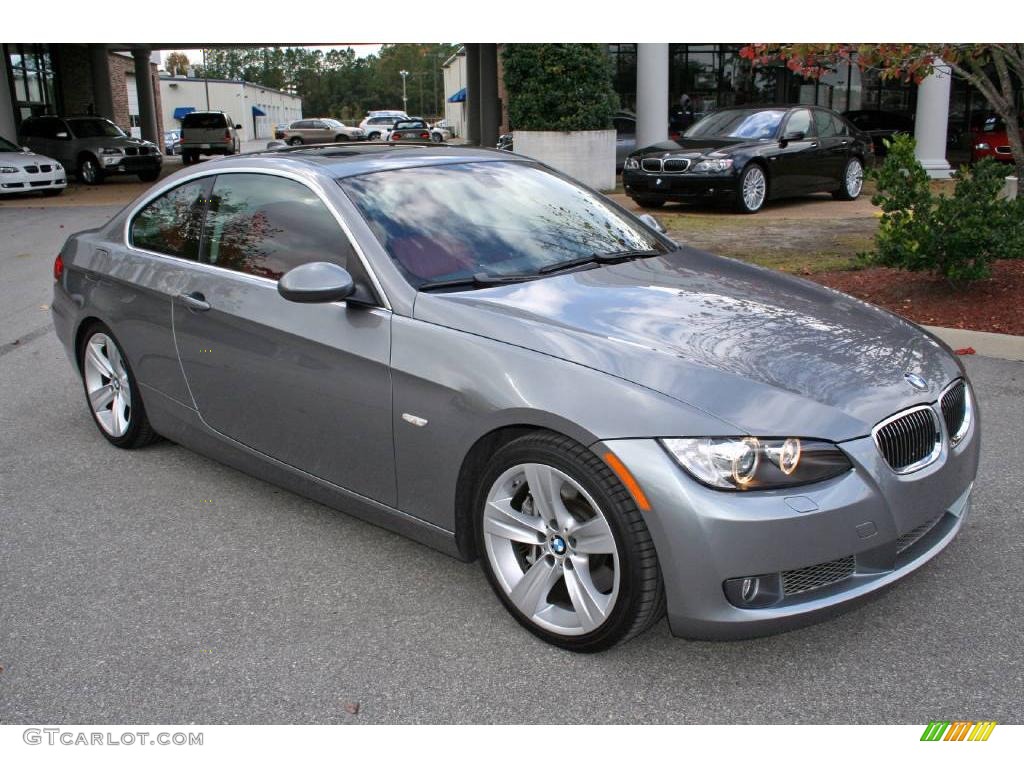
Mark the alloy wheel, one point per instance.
(754, 188)
(107, 385)
(551, 549)
(854, 178)
(88, 171)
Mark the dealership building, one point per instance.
(255, 107)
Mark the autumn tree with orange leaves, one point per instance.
(995, 69)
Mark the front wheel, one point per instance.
(437, 138)
(111, 392)
(340, 138)
(852, 182)
(89, 171)
(753, 189)
(373, 136)
(563, 545)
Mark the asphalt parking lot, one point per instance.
(155, 586)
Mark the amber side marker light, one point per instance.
(628, 480)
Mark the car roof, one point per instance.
(350, 159)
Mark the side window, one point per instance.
(800, 120)
(824, 123)
(266, 225)
(842, 128)
(172, 223)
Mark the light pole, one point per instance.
(405, 100)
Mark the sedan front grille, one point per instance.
(31, 169)
(1003, 149)
(817, 576)
(651, 164)
(954, 408)
(676, 164)
(909, 440)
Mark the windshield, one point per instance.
(6, 146)
(447, 222)
(738, 124)
(334, 123)
(94, 127)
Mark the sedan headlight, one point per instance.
(720, 165)
(111, 151)
(8, 169)
(632, 163)
(751, 463)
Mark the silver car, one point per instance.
(471, 349)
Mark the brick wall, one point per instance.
(74, 73)
(120, 67)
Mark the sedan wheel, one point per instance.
(853, 181)
(564, 548)
(89, 171)
(113, 397)
(753, 189)
(437, 138)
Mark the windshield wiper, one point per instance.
(598, 258)
(479, 280)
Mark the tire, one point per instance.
(149, 175)
(437, 138)
(294, 141)
(752, 200)
(373, 136)
(52, 192)
(122, 421)
(189, 158)
(89, 171)
(648, 202)
(852, 182)
(619, 580)
(341, 137)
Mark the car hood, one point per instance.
(770, 354)
(23, 158)
(694, 147)
(115, 141)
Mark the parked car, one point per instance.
(172, 142)
(610, 422)
(881, 126)
(93, 146)
(376, 123)
(208, 133)
(749, 155)
(441, 131)
(320, 130)
(24, 171)
(414, 129)
(990, 139)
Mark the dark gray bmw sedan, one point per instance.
(472, 350)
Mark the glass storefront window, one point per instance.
(31, 71)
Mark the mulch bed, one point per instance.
(995, 304)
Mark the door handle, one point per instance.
(845, 142)
(195, 301)
(814, 144)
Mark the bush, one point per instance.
(559, 86)
(956, 237)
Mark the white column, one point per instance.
(651, 93)
(931, 122)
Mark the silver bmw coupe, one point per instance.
(470, 349)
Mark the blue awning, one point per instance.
(459, 95)
(180, 112)
(257, 112)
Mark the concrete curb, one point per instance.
(999, 345)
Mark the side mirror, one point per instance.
(793, 136)
(238, 127)
(652, 222)
(317, 282)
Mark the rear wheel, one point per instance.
(188, 157)
(294, 141)
(89, 171)
(564, 546)
(852, 182)
(436, 137)
(111, 392)
(753, 189)
(373, 136)
(340, 137)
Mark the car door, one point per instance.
(834, 149)
(793, 165)
(307, 384)
(321, 133)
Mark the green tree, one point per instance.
(176, 63)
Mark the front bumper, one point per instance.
(678, 187)
(870, 527)
(131, 163)
(21, 181)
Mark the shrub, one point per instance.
(559, 86)
(955, 236)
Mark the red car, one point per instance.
(990, 140)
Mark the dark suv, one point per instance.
(91, 147)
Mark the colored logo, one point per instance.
(958, 730)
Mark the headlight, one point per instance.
(111, 151)
(750, 463)
(713, 166)
(8, 169)
(982, 145)
(632, 163)
(58, 166)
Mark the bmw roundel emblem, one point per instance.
(558, 545)
(915, 381)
